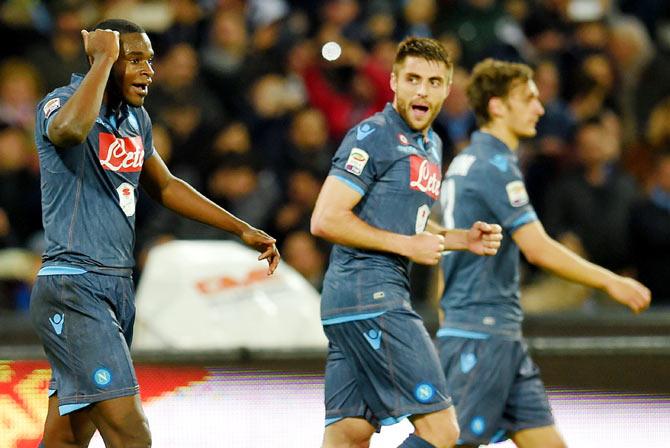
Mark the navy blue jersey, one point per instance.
(397, 172)
(484, 183)
(89, 191)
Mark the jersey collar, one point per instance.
(426, 143)
(490, 141)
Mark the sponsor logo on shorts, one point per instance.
(478, 425)
(102, 377)
(374, 337)
(57, 322)
(424, 392)
(123, 154)
(468, 362)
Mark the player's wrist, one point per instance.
(241, 228)
(608, 281)
(456, 239)
(103, 60)
(402, 245)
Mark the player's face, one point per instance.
(523, 109)
(420, 88)
(133, 72)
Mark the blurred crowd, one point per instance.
(247, 109)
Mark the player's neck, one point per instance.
(112, 103)
(502, 133)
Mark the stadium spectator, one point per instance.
(650, 230)
(593, 202)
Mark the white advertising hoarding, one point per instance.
(216, 295)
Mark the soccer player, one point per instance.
(495, 385)
(374, 205)
(95, 146)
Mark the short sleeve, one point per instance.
(505, 193)
(48, 108)
(356, 161)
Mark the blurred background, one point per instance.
(249, 104)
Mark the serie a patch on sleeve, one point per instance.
(516, 193)
(357, 161)
(50, 106)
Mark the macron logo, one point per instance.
(374, 337)
(363, 131)
(57, 322)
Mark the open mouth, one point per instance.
(420, 110)
(142, 89)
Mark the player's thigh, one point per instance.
(479, 375)
(439, 428)
(72, 430)
(81, 320)
(348, 432)
(121, 421)
(342, 395)
(393, 364)
(543, 437)
(527, 405)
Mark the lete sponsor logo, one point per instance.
(124, 154)
(424, 176)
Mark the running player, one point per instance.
(374, 205)
(495, 385)
(94, 140)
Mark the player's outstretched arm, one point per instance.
(74, 120)
(481, 239)
(177, 195)
(541, 250)
(334, 220)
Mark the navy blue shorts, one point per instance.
(382, 369)
(495, 385)
(85, 322)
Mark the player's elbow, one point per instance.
(316, 225)
(321, 225)
(67, 134)
(534, 256)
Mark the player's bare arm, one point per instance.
(541, 250)
(334, 220)
(179, 196)
(481, 239)
(76, 118)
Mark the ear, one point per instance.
(393, 82)
(496, 107)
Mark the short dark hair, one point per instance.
(422, 47)
(493, 78)
(120, 25)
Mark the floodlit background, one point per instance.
(249, 102)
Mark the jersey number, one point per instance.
(448, 199)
